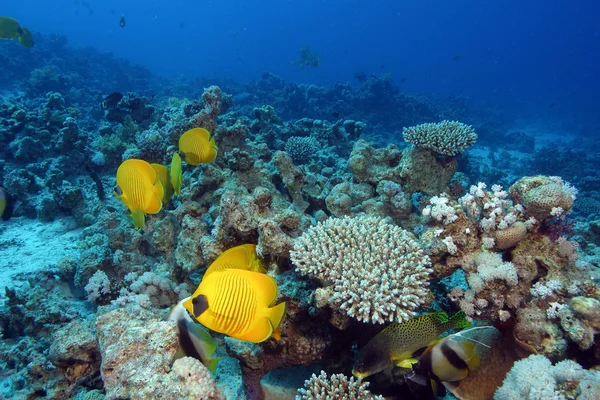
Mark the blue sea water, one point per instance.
(521, 56)
(294, 145)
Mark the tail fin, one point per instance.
(212, 363)
(275, 314)
(139, 218)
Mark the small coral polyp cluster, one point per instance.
(355, 235)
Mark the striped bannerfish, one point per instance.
(447, 360)
(7, 204)
(237, 303)
(194, 340)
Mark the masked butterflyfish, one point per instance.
(194, 340)
(399, 343)
(237, 303)
(198, 146)
(26, 38)
(451, 359)
(139, 188)
(163, 175)
(240, 257)
(176, 174)
(10, 29)
(7, 204)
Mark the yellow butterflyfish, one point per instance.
(10, 29)
(198, 146)
(176, 174)
(139, 188)
(163, 175)
(237, 303)
(239, 257)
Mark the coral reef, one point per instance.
(374, 271)
(336, 386)
(356, 228)
(536, 378)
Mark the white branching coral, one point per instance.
(377, 271)
(449, 138)
(502, 221)
(535, 377)
(439, 209)
(336, 387)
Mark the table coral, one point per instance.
(449, 138)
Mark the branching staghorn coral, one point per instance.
(376, 270)
(335, 387)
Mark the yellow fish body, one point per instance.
(198, 146)
(240, 257)
(176, 174)
(237, 303)
(139, 188)
(163, 176)
(26, 38)
(398, 342)
(9, 28)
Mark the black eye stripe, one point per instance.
(453, 358)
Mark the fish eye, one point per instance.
(118, 191)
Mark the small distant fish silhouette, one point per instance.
(335, 114)
(551, 105)
(402, 80)
(456, 57)
(122, 21)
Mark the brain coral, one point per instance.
(509, 237)
(377, 270)
(541, 195)
(447, 137)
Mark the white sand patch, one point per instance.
(28, 245)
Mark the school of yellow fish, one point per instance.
(145, 188)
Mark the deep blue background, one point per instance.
(537, 57)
